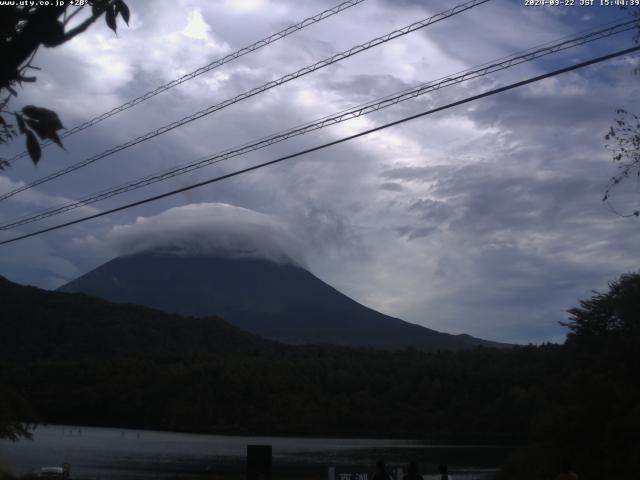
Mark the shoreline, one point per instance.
(147, 455)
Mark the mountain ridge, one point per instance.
(280, 301)
(39, 323)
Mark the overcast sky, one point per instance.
(485, 219)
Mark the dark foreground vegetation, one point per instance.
(577, 403)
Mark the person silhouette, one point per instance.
(381, 471)
(444, 472)
(412, 472)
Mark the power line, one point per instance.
(329, 144)
(207, 68)
(255, 91)
(360, 110)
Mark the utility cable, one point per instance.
(250, 93)
(207, 68)
(329, 144)
(360, 110)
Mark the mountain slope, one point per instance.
(282, 302)
(37, 323)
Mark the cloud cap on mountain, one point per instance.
(216, 229)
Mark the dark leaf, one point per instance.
(45, 131)
(52, 119)
(97, 7)
(33, 147)
(37, 127)
(123, 10)
(44, 115)
(53, 34)
(110, 17)
(20, 122)
(56, 139)
(31, 111)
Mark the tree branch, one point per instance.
(83, 26)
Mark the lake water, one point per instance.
(108, 453)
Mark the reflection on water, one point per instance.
(101, 453)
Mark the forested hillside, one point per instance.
(38, 324)
(578, 402)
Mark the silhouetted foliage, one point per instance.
(592, 419)
(37, 324)
(23, 29)
(623, 139)
(41, 324)
(613, 316)
(13, 409)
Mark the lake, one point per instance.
(109, 453)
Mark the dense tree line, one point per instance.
(481, 395)
(592, 417)
(40, 324)
(578, 402)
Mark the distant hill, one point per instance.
(39, 323)
(277, 301)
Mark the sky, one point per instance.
(484, 219)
